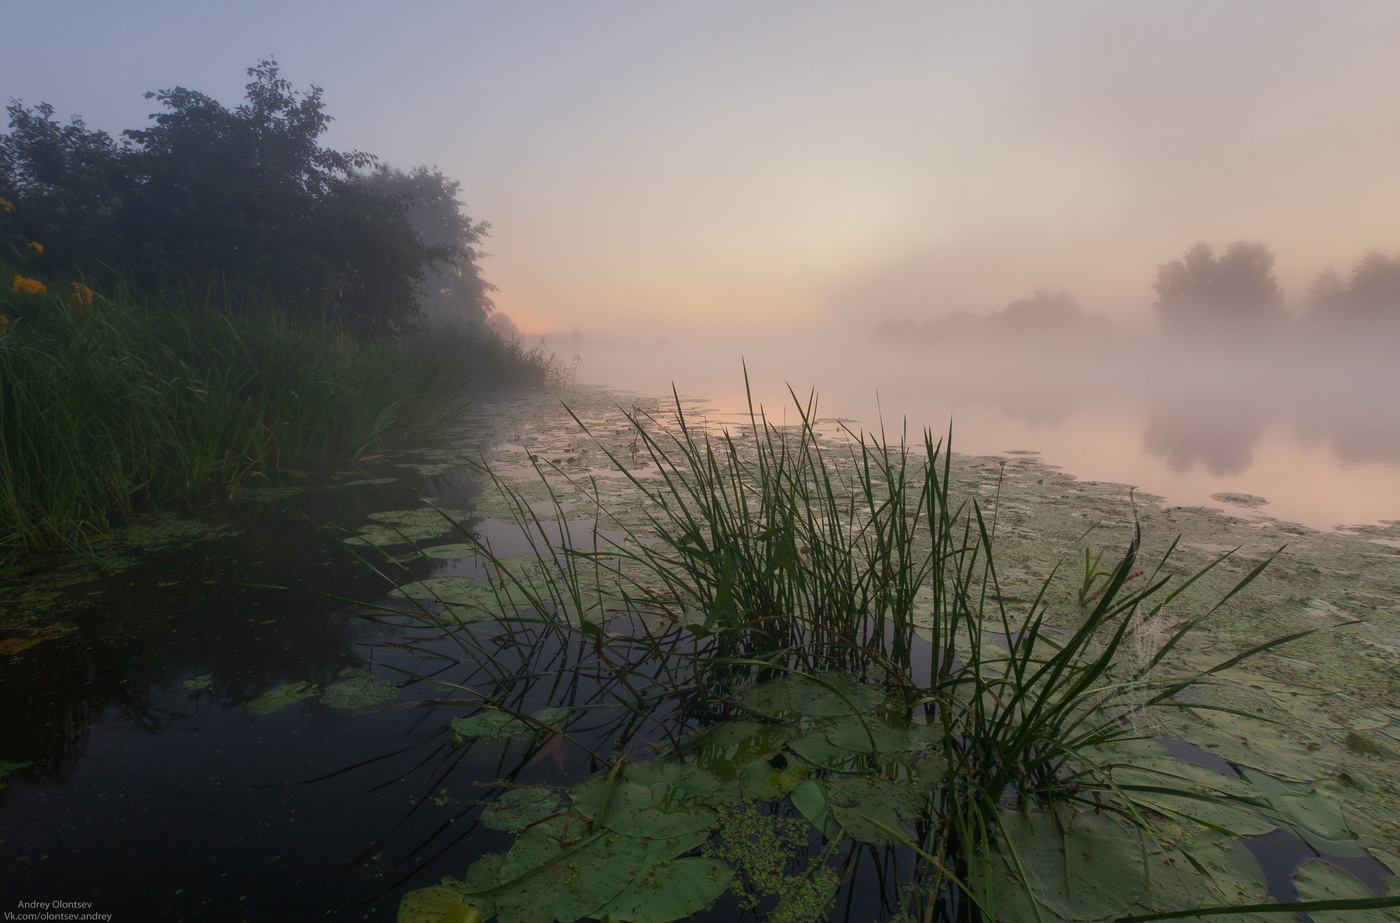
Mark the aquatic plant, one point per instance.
(825, 629)
(109, 404)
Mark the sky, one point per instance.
(672, 166)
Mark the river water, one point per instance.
(148, 787)
(1309, 424)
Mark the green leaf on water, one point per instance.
(816, 748)
(722, 749)
(203, 681)
(1319, 880)
(855, 801)
(670, 891)
(436, 905)
(454, 550)
(361, 692)
(494, 723)
(810, 799)
(816, 695)
(565, 883)
(280, 697)
(520, 807)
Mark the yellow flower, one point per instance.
(28, 286)
(82, 295)
(35, 246)
(6, 206)
(4, 321)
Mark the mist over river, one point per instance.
(1308, 423)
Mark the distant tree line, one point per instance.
(1234, 293)
(245, 196)
(1238, 291)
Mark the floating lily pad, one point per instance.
(855, 802)
(280, 697)
(722, 749)
(203, 681)
(1318, 880)
(816, 748)
(454, 550)
(520, 807)
(685, 781)
(544, 881)
(761, 780)
(663, 893)
(360, 692)
(810, 799)
(1084, 867)
(822, 695)
(437, 905)
(493, 723)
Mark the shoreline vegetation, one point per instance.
(217, 296)
(113, 405)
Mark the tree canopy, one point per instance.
(248, 194)
(1371, 292)
(1201, 292)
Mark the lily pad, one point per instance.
(437, 905)
(280, 697)
(671, 891)
(519, 808)
(855, 802)
(816, 748)
(722, 749)
(360, 692)
(569, 883)
(1319, 880)
(203, 681)
(810, 799)
(454, 550)
(494, 723)
(818, 695)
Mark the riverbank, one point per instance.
(113, 405)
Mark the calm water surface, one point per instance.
(154, 801)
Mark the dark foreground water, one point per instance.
(147, 799)
(150, 791)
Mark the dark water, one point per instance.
(153, 801)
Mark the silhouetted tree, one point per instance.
(1237, 290)
(455, 286)
(1372, 293)
(1045, 310)
(247, 193)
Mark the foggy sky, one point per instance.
(780, 164)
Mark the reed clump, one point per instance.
(109, 404)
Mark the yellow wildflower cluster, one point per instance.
(35, 246)
(27, 285)
(82, 296)
(6, 206)
(4, 321)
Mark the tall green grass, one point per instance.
(126, 401)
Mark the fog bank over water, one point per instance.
(1303, 418)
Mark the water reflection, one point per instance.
(1178, 416)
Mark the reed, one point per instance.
(112, 404)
